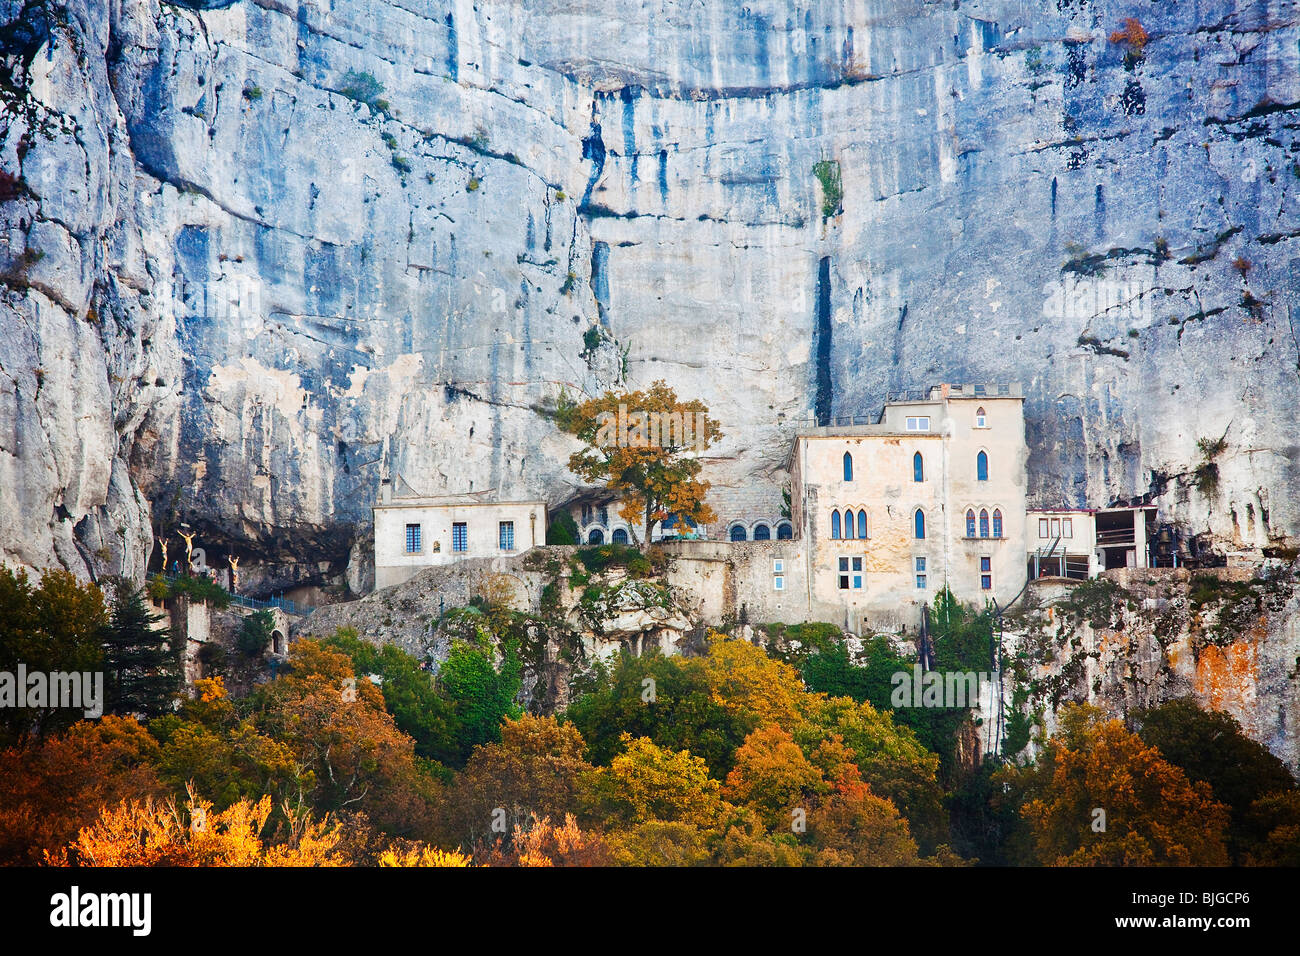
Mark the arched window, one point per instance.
(970, 522)
(848, 467)
(984, 523)
(982, 466)
(596, 537)
(619, 536)
(762, 532)
(918, 468)
(784, 531)
(997, 523)
(738, 533)
(981, 420)
(862, 523)
(848, 523)
(920, 523)
(835, 524)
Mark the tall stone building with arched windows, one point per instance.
(931, 495)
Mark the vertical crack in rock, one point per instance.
(822, 343)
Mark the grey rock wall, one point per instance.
(233, 293)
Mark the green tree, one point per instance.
(562, 529)
(144, 668)
(53, 627)
(666, 699)
(481, 694)
(255, 634)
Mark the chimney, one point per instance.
(385, 491)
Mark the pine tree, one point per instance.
(143, 672)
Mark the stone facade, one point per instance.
(932, 495)
(412, 533)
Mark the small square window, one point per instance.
(844, 582)
(844, 564)
(920, 582)
(918, 424)
(986, 564)
(986, 582)
(857, 582)
(778, 566)
(778, 583)
(920, 564)
(857, 564)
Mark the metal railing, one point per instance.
(257, 604)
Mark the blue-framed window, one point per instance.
(412, 539)
(506, 535)
(848, 523)
(762, 532)
(984, 523)
(848, 467)
(918, 467)
(919, 523)
(997, 523)
(970, 522)
(460, 536)
(982, 466)
(738, 533)
(862, 523)
(835, 524)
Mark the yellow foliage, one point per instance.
(744, 678)
(152, 833)
(423, 856)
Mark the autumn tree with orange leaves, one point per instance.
(1153, 815)
(644, 446)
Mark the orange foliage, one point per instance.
(152, 833)
(1133, 33)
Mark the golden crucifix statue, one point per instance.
(162, 542)
(189, 549)
(234, 572)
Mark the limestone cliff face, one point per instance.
(240, 278)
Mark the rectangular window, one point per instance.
(844, 574)
(412, 539)
(778, 583)
(857, 576)
(1067, 528)
(778, 566)
(920, 582)
(1044, 528)
(459, 536)
(918, 424)
(920, 565)
(986, 577)
(1056, 527)
(506, 535)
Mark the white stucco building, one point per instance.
(414, 532)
